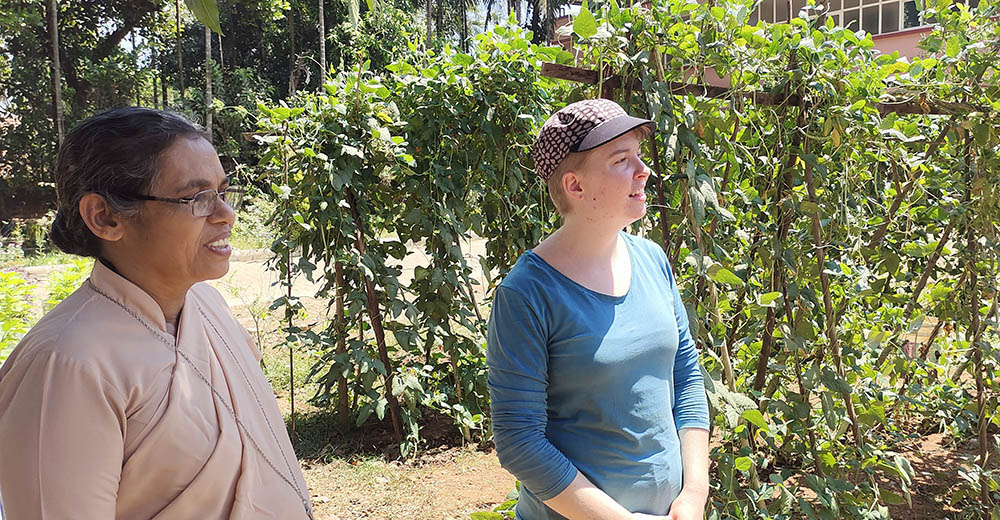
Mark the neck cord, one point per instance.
(173, 345)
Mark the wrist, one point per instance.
(696, 492)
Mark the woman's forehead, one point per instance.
(189, 163)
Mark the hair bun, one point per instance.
(66, 239)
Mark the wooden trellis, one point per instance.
(915, 104)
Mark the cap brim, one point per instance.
(611, 130)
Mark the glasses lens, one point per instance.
(233, 196)
(204, 203)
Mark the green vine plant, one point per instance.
(366, 186)
(821, 210)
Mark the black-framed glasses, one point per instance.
(203, 203)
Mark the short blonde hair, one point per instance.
(572, 162)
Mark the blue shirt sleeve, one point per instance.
(690, 402)
(517, 358)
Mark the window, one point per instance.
(874, 16)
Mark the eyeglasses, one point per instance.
(203, 203)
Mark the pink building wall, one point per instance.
(903, 41)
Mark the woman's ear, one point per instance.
(571, 185)
(102, 221)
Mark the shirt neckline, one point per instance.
(604, 296)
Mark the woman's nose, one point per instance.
(223, 212)
(643, 170)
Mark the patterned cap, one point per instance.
(579, 127)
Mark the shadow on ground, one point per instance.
(318, 438)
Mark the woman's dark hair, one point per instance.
(113, 154)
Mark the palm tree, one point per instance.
(180, 55)
(208, 83)
(322, 46)
(56, 70)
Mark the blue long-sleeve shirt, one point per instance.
(581, 380)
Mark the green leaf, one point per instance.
(835, 382)
(463, 59)
(207, 12)
(722, 275)
(767, 299)
(890, 498)
(743, 463)
(757, 419)
(810, 208)
(954, 46)
(585, 24)
(614, 10)
(486, 515)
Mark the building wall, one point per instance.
(903, 41)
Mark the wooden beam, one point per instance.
(614, 81)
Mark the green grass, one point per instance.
(51, 258)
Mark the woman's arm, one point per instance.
(690, 417)
(62, 438)
(690, 504)
(582, 500)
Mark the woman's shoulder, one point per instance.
(73, 338)
(74, 321)
(530, 276)
(89, 331)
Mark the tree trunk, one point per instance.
(440, 17)
(322, 46)
(180, 55)
(135, 61)
(465, 29)
(163, 80)
(208, 83)
(430, 30)
(291, 55)
(56, 68)
(154, 77)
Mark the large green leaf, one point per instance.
(585, 25)
(722, 275)
(207, 12)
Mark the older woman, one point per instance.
(140, 396)
(599, 406)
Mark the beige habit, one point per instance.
(104, 416)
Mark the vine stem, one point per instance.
(831, 321)
(802, 388)
(777, 264)
(376, 319)
(924, 277)
(905, 191)
(288, 285)
(343, 412)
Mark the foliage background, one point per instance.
(814, 233)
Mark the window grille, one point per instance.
(873, 16)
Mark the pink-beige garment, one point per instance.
(100, 419)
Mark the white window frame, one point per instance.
(838, 11)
